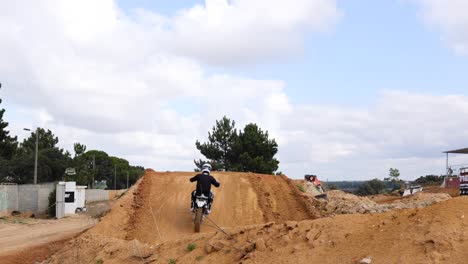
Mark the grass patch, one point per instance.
(172, 261)
(300, 187)
(199, 258)
(191, 247)
(99, 261)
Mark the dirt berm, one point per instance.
(267, 221)
(159, 210)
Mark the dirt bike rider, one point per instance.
(204, 181)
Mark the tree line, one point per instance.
(17, 161)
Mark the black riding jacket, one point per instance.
(204, 182)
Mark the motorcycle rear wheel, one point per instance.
(198, 219)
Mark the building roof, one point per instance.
(458, 151)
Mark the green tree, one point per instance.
(430, 180)
(103, 169)
(79, 149)
(394, 175)
(8, 144)
(218, 149)
(250, 150)
(371, 187)
(47, 140)
(52, 161)
(256, 151)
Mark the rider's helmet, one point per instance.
(206, 168)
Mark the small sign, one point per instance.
(69, 197)
(70, 171)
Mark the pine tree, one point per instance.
(250, 150)
(257, 152)
(219, 146)
(8, 144)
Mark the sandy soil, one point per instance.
(158, 210)
(17, 234)
(267, 220)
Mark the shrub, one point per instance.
(51, 206)
(191, 247)
(99, 261)
(172, 261)
(371, 187)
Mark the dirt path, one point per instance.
(22, 234)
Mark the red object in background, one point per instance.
(452, 182)
(316, 181)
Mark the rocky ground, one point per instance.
(344, 203)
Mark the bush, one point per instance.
(99, 261)
(430, 180)
(371, 187)
(51, 207)
(172, 261)
(191, 247)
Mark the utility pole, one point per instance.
(37, 154)
(127, 180)
(94, 169)
(115, 177)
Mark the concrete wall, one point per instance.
(35, 198)
(8, 198)
(25, 198)
(3, 201)
(115, 193)
(95, 195)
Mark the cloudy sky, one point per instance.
(348, 88)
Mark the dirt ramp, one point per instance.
(279, 199)
(435, 234)
(160, 209)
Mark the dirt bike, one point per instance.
(200, 211)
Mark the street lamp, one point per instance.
(37, 153)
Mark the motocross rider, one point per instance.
(204, 181)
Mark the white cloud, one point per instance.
(450, 17)
(95, 75)
(246, 31)
(404, 130)
(136, 87)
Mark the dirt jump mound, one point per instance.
(158, 209)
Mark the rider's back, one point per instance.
(204, 182)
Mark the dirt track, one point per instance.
(25, 240)
(151, 224)
(160, 207)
